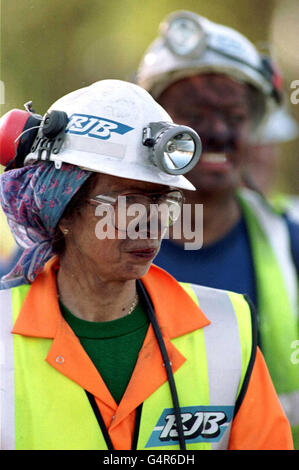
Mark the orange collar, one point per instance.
(40, 314)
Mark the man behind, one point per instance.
(211, 78)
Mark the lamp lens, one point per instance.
(183, 35)
(179, 151)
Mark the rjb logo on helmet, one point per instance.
(95, 126)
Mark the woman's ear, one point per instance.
(63, 226)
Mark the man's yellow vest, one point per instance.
(277, 294)
(43, 409)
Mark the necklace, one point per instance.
(134, 304)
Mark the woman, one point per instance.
(107, 350)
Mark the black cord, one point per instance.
(102, 425)
(100, 420)
(151, 315)
(147, 305)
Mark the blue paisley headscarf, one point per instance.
(34, 199)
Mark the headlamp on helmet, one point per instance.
(184, 35)
(175, 149)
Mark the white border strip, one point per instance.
(290, 404)
(7, 395)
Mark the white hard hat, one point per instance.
(105, 129)
(280, 127)
(189, 44)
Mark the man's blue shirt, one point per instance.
(226, 264)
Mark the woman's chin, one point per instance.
(135, 272)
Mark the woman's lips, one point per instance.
(143, 253)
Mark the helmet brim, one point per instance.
(121, 168)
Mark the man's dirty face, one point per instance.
(218, 109)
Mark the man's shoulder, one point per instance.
(293, 228)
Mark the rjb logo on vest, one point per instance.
(95, 126)
(200, 424)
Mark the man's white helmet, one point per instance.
(189, 44)
(108, 132)
(280, 127)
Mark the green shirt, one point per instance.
(113, 346)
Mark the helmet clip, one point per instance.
(51, 135)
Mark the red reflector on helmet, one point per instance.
(11, 126)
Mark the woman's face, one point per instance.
(108, 259)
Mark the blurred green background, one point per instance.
(51, 47)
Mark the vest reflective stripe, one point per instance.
(223, 343)
(290, 403)
(277, 233)
(64, 403)
(286, 204)
(277, 293)
(229, 339)
(293, 208)
(215, 368)
(7, 419)
(226, 322)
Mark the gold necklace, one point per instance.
(134, 304)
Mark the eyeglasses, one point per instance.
(163, 207)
